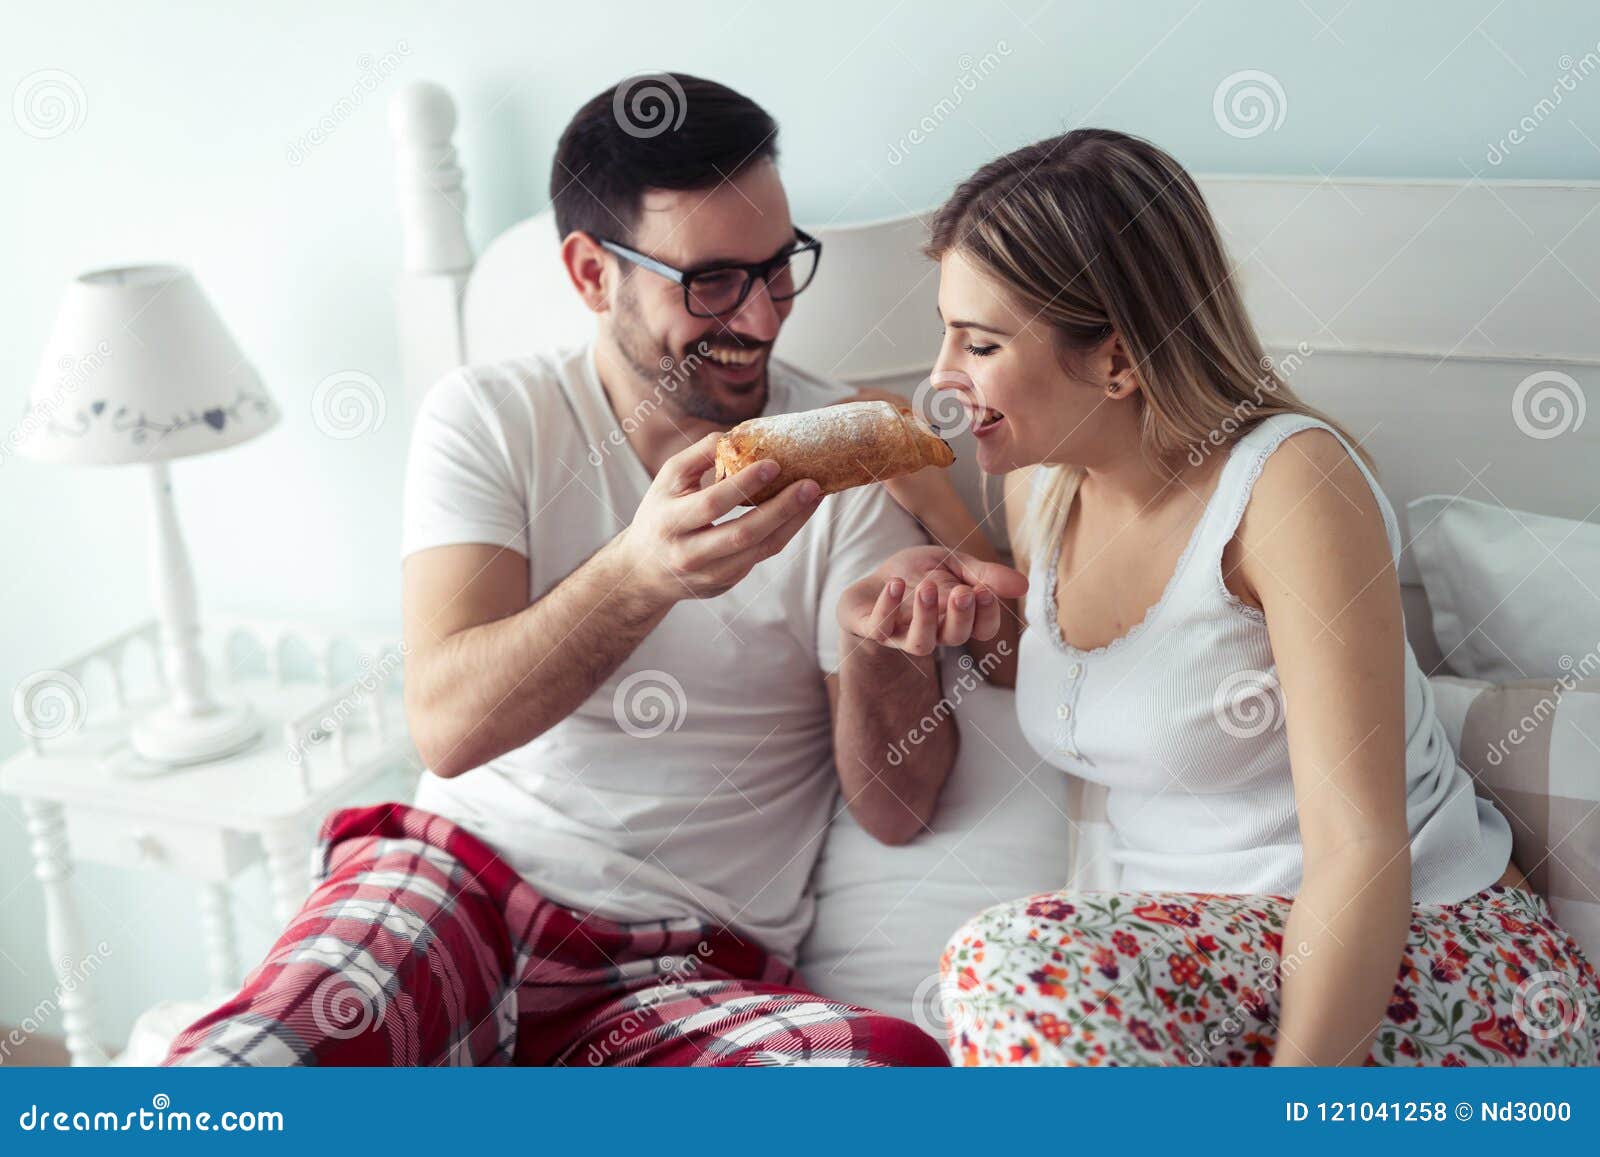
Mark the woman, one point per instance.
(1213, 632)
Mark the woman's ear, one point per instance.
(586, 266)
(1121, 380)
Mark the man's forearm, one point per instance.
(490, 689)
(895, 738)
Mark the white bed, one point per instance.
(1411, 310)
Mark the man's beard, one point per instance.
(682, 380)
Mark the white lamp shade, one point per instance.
(140, 367)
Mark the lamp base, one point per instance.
(170, 737)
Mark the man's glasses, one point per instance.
(714, 290)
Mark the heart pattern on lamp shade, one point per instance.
(142, 427)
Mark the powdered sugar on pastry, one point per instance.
(848, 423)
(839, 446)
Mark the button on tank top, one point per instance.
(1182, 720)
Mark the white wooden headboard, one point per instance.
(1452, 326)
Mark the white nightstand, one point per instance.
(88, 797)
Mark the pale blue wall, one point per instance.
(191, 114)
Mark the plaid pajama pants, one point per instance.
(420, 946)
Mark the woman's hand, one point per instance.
(927, 596)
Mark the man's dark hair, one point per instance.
(656, 131)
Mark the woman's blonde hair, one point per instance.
(1098, 232)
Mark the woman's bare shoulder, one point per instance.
(1311, 513)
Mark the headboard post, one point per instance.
(437, 257)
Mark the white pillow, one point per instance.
(883, 914)
(1514, 595)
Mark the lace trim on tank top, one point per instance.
(1245, 487)
(1052, 564)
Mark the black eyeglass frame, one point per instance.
(762, 269)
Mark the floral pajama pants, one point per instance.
(1167, 978)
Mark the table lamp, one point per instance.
(140, 369)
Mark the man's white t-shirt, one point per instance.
(698, 780)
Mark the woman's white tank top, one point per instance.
(1182, 720)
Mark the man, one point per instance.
(631, 698)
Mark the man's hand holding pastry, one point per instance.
(672, 546)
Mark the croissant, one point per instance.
(837, 446)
